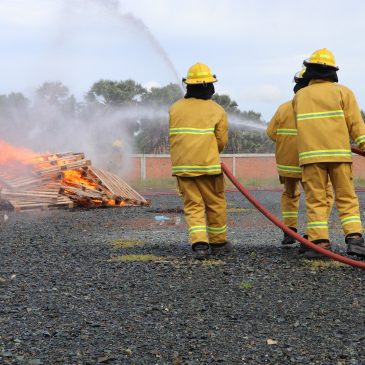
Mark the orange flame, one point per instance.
(10, 154)
(75, 178)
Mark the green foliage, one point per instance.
(146, 126)
(225, 101)
(165, 95)
(116, 93)
(53, 92)
(153, 137)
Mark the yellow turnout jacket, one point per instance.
(327, 115)
(198, 132)
(283, 131)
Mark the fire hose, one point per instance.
(285, 228)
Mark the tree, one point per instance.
(166, 95)
(229, 105)
(55, 93)
(116, 93)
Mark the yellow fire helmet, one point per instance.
(299, 75)
(323, 57)
(199, 74)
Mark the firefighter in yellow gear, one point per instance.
(198, 132)
(327, 117)
(282, 131)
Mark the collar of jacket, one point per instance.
(319, 81)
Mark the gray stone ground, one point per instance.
(68, 295)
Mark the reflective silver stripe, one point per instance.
(211, 168)
(360, 139)
(351, 219)
(317, 224)
(191, 131)
(284, 168)
(197, 229)
(217, 230)
(289, 214)
(319, 115)
(309, 154)
(286, 132)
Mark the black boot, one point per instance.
(355, 244)
(288, 240)
(323, 243)
(221, 248)
(303, 248)
(201, 250)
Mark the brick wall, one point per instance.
(245, 166)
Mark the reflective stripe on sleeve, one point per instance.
(284, 168)
(360, 139)
(286, 132)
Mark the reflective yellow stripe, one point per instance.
(289, 214)
(360, 139)
(317, 224)
(351, 219)
(286, 132)
(191, 131)
(197, 229)
(309, 154)
(284, 168)
(319, 115)
(201, 73)
(217, 230)
(211, 168)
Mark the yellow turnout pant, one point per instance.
(315, 177)
(205, 207)
(290, 200)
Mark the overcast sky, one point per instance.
(254, 47)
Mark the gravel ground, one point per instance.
(69, 295)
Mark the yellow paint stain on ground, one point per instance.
(137, 258)
(324, 264)
(122, 243)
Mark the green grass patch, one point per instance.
(212, 262)
(245, 285)
(122, 243)
(137, 258)
(315, 265)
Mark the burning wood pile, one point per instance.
(63, 179)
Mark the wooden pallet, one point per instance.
(118, 188)
(44, 185)
(62, 201)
